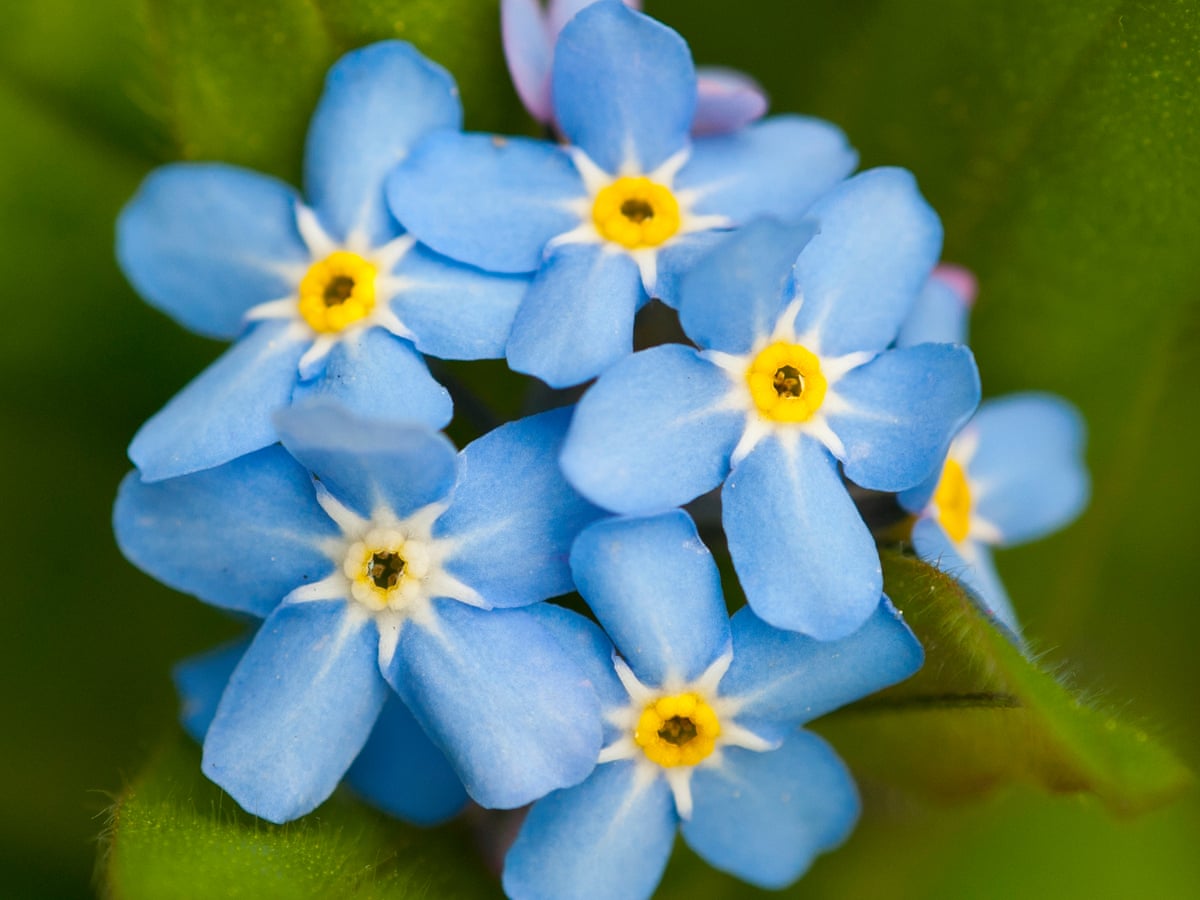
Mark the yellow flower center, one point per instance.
(636, 212)
(337, 291)
(953, 499)
(384, 569)
(786, 383)
(679, 730)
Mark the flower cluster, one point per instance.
(402, 639)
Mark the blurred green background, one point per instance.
(1060, 142)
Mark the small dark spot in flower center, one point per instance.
(338, 290)
(385, 569)
(788, 381)
(635, 209)
(677, 730)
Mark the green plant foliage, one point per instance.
(239, 81)
(980, 714)
(173, 834)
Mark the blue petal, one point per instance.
(777, 167)
(455, 311)
(365, 464)
(607, 839)
(783, 679)
(577, 318)
(623, 85)
(654, 587)
(298, 708)
(514, 516)
(764, 816)
(378, 376)
(590, 648)
(859, 277)
(978, 575)
(241, 536)
(225, 412)
(679, 257)
(651, 433)
(200, 680)
(726, 101)
(527, 50)
(489, 201)
(515, 715)
(403, 773)
(938, 317)
(378, 102)
(1027, 476)
(734, 296)
(203, 243)
(901, 411)
(802, 553)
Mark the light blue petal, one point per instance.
(200, 680)
(902, 410)
(733, 297)
(651, 433)
(403, 773)
(378, 102)
(489, 201)
(240, 537)
(1027, 476)
(678, 258)
(654, 587)
(623, 84)
(365, 464)
(727, 100)
(591, 650)
(938, 317)
(516, 717)
(225, 412)
(203, 243)
(776, 167)
(859, 277)
(514, 516)
(455, 311)
(783, 679)
(577, 318)
(297, 710)
(528, 50)
(765, 816)
(802, 553)
(978, 575)
(380, 377)
(607, 839)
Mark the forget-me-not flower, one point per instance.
(795, 377)
(325, 294)
(377, 556)
(620, 212)
(702, 725)
(726, 100)
(398, 769)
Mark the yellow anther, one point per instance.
(677, 730)
(636, 212)
(952, 496)
(380, 568)
(786, 383)
(337, 291)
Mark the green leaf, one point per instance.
(174, 834)
(980, 714)
(238, 82)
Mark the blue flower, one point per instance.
(702, 717)
(795, 377)
(1015, 473)
(330, 297)
(726, 100)
(393, 562)
(399, 769)
(620, 213)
